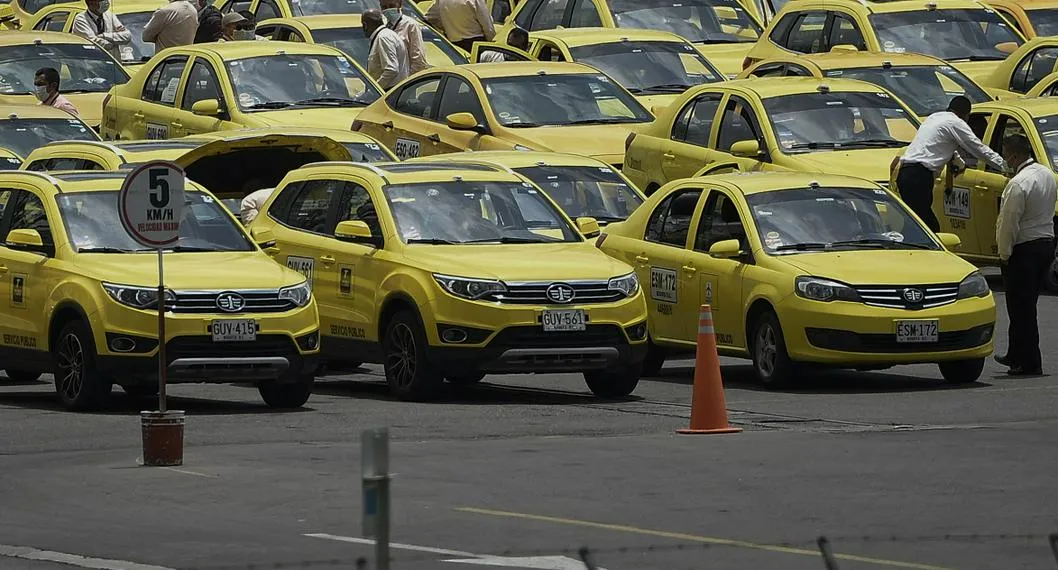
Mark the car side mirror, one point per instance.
(1007, 47)
(726, 249)
(949, 241)
(354, 231)
(26, 240)
(588, 227)
(263, 237)
(206, 108)
(465, 122)
(746, 149)
(844, 48)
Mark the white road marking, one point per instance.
(27, 553)
(542, 562)
(396, 546)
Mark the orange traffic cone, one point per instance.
(708, 409)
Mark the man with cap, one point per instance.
(229, 26)
(172, 25)
(100, 26)
(387, 62)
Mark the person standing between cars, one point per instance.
(208, 23)
(46, 88)
(935, 144)
(229, 25)
(517, 38)
(247, 29)
(463, 21)
(172, 25)
(251, 205)
(100, 26)
(409, 31)
(387, 62)
(1025, 236)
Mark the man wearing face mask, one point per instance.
(409, 31)
(387, 62)
(208, 22)
(100, 26)
(229, 25)
(46, 88)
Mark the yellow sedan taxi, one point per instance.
(234, 85)
(133, 14)
(268, 9)
(965, 33)
(560, 107)
(422, 267)
(26, 127)
(925, 84)
(80, 296)
(804, 269)
(836, 126)
(722, 30)
(1033, 18)
(1025, 68)
(344, 31)
(86, 72)
(15, 13)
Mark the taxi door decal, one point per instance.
(18, 291)
(710, 297)
(303, 265)
(663, 284)
(345, 281)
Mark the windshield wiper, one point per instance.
(188, 248)
(509, 239)
(271, 105)
(108, 250)
(434, 241)
(802, 246)
(339, 101)
(522, 125)
(976, 58)
(813, 145)
(888, 143)
(664, 87)
(603, 121)
(887, 243)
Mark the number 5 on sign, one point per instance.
(151, 203)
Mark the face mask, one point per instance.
(41, 91)
(104, 5)
(391, 15)
(243, 35)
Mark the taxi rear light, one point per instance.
(628, 141)
(748, 62)
(357, 124)
(106, 100)
(599, 240)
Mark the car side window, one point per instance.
(736, 124)
(978, 123)
(459, 97)
(585, 15)
(769, 70)
(550, 52)
(696, 121)
(418, 99)
(1007, 126)
(720, 221)
(793, 70)
(806, 35)
(356, 205)
(236, 6)
(526, 13)
(164, 81)
(781, 29)
(266, 9)
(5, 199)
(202, 84)
(670, 222)
(1032, 69)
(549, 16)
(1051, 91)
(29, 214)
(843, 31)
(310, 208)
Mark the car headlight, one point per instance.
(818, 289)
(299, 294)
(137, 297)
(975, 285)
(626, 284)
(469, 288)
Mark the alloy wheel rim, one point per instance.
(71, 367)
(401, 356)
(766, 350)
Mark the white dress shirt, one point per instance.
(938, 139)
(172, 25)
(252, 204)
(387, 63)
(109, 36)
(1027, 210)
(462, 19)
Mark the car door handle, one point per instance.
(326, 260)
(3, 269)
(388, 125)
(980, 187)
(176, 124)
(690, 269)
(435, 138)
(669, 156)
(138, 115)
(642, 259)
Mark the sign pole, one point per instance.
(163, 366)
(374, 471)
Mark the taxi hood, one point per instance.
(507, 262)
(602, 142)
(320, 117)
(726, 57)
(234, 141)
(882, 267)
(200, 270)
(871, 163)
(979, 71)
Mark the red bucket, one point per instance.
(163, 438)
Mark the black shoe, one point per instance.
(1005, 361)
(1022, 371)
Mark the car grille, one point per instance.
(535, 293)
(206, 302)
(897, 296)
(848, 341)
(204, 347)
(535, 337)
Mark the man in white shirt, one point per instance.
(935, 145)
(100, 26)
(410, 31)
(462, 21)
(1025, 236)
(251, 205)
(172, 25)
(387, 62)
(517, 38)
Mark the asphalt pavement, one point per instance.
(896, 468)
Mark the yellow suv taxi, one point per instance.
(1033, 18)
(79, 297)
(804, 269)
(422, 267)
(967, 33)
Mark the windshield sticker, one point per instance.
(882, 192)
(772, 240)
(824, 199)
(1042, 121)
(245, 99)
(896, 50)
(372, 146)
(605, 170)
(895, 236)
(88, 47)
(206, 199)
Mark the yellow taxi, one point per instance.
(836, 126)
(9, 160)
(722, 30)
(804, 269)
(925, 84)
(268, 9)
(133, 14)
(965, 33)
(234, 85)
(421, 267)
(581, 186)
(1033, 18)
(79, 297)
(560, 107)
(344, 31)
(15, 13)
(26, 127)
(1020, 73)
(86, 72)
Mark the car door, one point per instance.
(358, 271)
(201, 84)
(719, 282)
(457, 96)
(806, 35)
(842, 30)
(26, 273)
(153, 115)
(995, 182)
(547, 50)
(414, 109)
(585, 14)
(691, 134)
(738, 123)
(963, 210)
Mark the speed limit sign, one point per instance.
(151, 203)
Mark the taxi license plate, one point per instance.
(916, 331)
(565, 320)
(234, 330)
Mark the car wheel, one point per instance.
(464, 379)
(78, 383)
(285, 394)
(654, 360)
(613, 384)
(140, 390)
(409, 374)
(962, 371)
(21, 375)
(771, 362)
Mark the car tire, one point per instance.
(140, 390)
(21, 376)
(78, 383)
(465, 379)
(284, 394)
(771, 362)
(962, 371)
(408, 372)
(654, 361)
(617, 384)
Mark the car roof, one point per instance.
(574, 37)
(239, 50)
(885, 6)
(422, 172)
(758, 182)
(33, 111)
(79, 180)
(517, 159)
(766, 87)
(13, 38)
(1034, 106)
(522, 69)
(853, 59)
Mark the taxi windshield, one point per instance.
(89, 221)
(1044, 21)
(316, 7)
(21, 136)
(569, 99)
(970, 34)
(815, 219)
(705, 21)
(280, 81)
(586, 191)
(9, 163)
(811, 122)
(83, 68)
(649, 67)
(367, 152)
(1047, 127)
(443, 213)
(356, 45)
(140, 50)
(926, 89)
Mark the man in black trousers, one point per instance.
(1025, 235)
